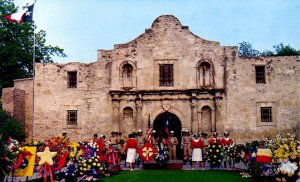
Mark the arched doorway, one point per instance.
(159, 125)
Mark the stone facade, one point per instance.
(213, 89)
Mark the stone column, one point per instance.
(200, 121)
(116, 115)
(139, 120)
(194, 117)
(213, 120)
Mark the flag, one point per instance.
(167, 127)
(167, 132)
(24, 15)
(149, 130)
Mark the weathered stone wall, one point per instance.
(167, 42)
(53, 98)
(245, 97)
(18, 101)
(231, 103)
(25, 109)
(7, 100)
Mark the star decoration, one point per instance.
(46, 156)
(27, 13)
(253, 155)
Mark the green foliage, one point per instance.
(246, 50)
(4, 155)
(10, 127)
(285, 50)
(16, 47)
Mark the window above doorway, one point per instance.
(166, 75)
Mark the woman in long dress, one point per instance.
(197, 146)
(131, 148)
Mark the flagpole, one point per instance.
(33, 76)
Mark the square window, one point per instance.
(166, 75)
(260, 74)
(72, 117)
(266, 114)
(72, 79)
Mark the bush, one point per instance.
(10, 127)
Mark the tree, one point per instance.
(246, 50)
(16, 47)
(282, 50)
(11, 127)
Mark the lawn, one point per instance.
(176, 176)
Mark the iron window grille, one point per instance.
(166, 75)
(72, 79)
(260, 74)
(266, 114)
(72, 117)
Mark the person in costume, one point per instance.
(205, 142)
(114, 139)
(173, 141)
(154, 137)
(186, 142)
(131, 148)
(215, 139)
(140, 138)
(95, 139)
(227, 142)
(197, 146)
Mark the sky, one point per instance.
(81, 27)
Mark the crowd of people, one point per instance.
(194, 146)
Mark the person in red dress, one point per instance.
(215, 139)
(227, 141)
(197, 146)
(131, 148)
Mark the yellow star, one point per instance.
(46, 156)
(253, 154)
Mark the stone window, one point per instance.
(205, 73)
(266, 114)
(260, 74)
(72, 117)
(127, 74)
(166, 75)
(72, 79)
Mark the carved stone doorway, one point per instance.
(159, 125)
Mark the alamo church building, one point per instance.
(166, 73)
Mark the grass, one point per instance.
(176, 176)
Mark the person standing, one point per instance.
(114, 139)
(215, 139)
(205, 142)
(173, 141)
(186, 142)
(131, 148)
(227, 142)
(197, 146)
(140, 138)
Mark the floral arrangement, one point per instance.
(286, 157)
(214, 155)
(162, 156)
(7, 157)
